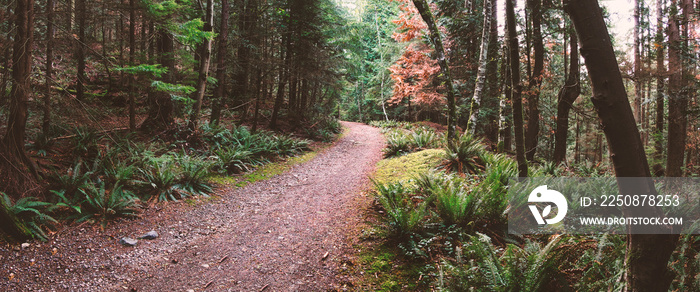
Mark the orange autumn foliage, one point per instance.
(414, 72)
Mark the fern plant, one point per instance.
(396, 144)
(103, 204)
(466, 155)
(73, 181)
(233, 160)
(194, 174)
(85, 143)
(404, 218)
(454, 204)
(161, 179)
(534, 267)
(422, 138)
(31, 212)
(42, 144)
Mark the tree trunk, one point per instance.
(660, 73)
(132, 53)
(242, 71)
(222, 40)
(435, 38)
(282, 82)
(516, 94)
(481, 71)
(80, 50)
(637, 63)
(160, 111)
(492, 98)
(677, 101)
(205, 58)
(647, 255)
(50, 35)
(381, 66)
(535, 81)
(19, 172)
(567, 96)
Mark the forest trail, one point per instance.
(271, 235)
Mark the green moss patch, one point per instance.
(406, 167)
(266, 171)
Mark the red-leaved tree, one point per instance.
(415, 72)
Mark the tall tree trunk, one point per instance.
(492, 97)
(481, 71)
(647, 255)
(69, 16)
(567, 96)
(660, 80)
(205, 58)
(19, 171)
(381, 65)
(222, 40)
(160, 110)
(677, 101)
(242, 71)
(637, 62)
(435, 38)
(80, 50)
(50, 36)
(282, 81)
(132, 54)
(535, 81)
(516, 85)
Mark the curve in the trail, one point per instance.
(283, 234)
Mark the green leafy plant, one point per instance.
(104, 204)
(30, 212)
(120, 173)
(423, 139)
(466, 155)
(73, 181)
(85, 143)
(404, 218)
(233, 160)
(161, 180)
(455, 205)
(534, 267)
(194, 174)
(397, 143)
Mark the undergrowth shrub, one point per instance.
(466, 155)
(535, 266)
(423, 139)
(194, 175)
(73, 181)
(404, 217)
(160, 179)
(455, 204)
(85, 143)
(102, 204)
(397, 143)
(31, 212)
(233, 160)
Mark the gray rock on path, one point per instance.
(126, 241)
(150, 235)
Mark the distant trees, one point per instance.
(161, 51)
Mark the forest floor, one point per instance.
(293, 232)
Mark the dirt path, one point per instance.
(270, 236)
